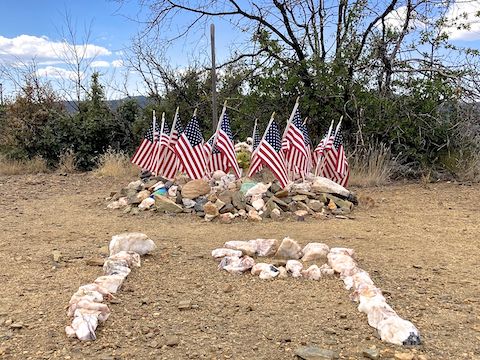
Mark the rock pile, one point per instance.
(86, 305)
(224, 198)
(237, 257)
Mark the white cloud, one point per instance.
(396, 20)
(117, 63)
(57, 73)
(27, 47)
(464, 14)
(100, 64)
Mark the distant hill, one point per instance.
(71, 106)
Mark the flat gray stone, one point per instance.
(315, 353)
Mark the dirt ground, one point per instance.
(419, 243)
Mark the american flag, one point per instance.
(256, 142)
(308, 145)
(269, 153)
(147, 152)
(171, 163)
(322, 146)
(162, 149)
(256, 137)
(190, 151)
(217, 160)
(224, 143)
(296, 146)
(335, 165)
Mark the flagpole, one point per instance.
(295, 107)
(305, 121)
(163, 122)
(266, 129)
(254, 128)
(154, 128)
(174, 123)
(338, 125)
(324, 142)
(253, 135)
(268, 126)
(160, 143)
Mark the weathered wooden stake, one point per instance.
(214, 79)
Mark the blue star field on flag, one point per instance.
(193, 133)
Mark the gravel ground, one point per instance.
(419, 243)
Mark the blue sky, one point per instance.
(45, 18)
(32, 29)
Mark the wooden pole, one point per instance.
(214, 78)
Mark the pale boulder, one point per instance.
(246, 247)
(289, 249)
(111, 283)
(294, 267)
(314, 251)
(312, 273)
(266, 247)
(324, 185)
(222, 252)
(137, 242)
(131, 257)
(146, 204)
(258, 189)
(258, 204)
(236, 265)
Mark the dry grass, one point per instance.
(469, 168)
(67, 162)
(17, 167)
(371, 167)
(115, 164)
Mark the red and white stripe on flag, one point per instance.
(191, 157)
(142, 156)
(296, 152)
(227, 152)
(269, 154)
(190, 150)
(335, 166)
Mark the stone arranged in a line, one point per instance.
(86, 305)
(236, 257)
(225, 198)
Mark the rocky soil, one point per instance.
(419, 243)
